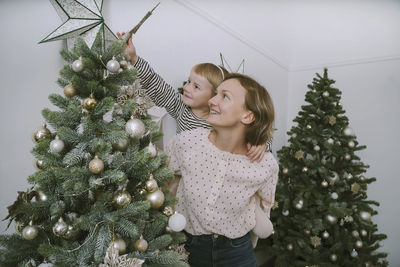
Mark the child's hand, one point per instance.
(255, 153)
(130, 49)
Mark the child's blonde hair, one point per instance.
(213, 73)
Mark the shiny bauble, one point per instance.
(348, 131)
(71, 233)
(333, 178)
(40, 134)
(135, 128)
(354, 253)
(331, 219)
(299, 204)
(294, 135)
(289, 247)
(177, 222)
(121, 145)
(330, 141)
(119, 244)
(89, 103)
(308, 126)
(151, 184)
(141, 245)
(123, 64)
(359, 244)
(362, 178)
(325, 94)
(334, 195)
(365, 215)
(305, 169)
(351, 144)
(347, 156)
(96, 165)
(30, 232)
(333, 257)
(77, 65)
(56, 146)
(317, 148)
(363, 232)
(325, 234)
(155, 198)
(324, 184)
(285, 212)
(349, 176)
(113, 65)
(168, 211)
(285, 170)
(40, 196)
(152, 150)
(307, 232)
(38, 164)
(122, 199)
(69, 90)
(355, 234)
(60, 228)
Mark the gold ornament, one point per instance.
(30, 232)
(332, 120)
(89, 103)
(60, 228)
(71, 233)
(155, 198)
(299, 155)
(169, 211)
(355, 187)
(96, 165)
(141, 244)
(151, 184)
(119, 244)
(40, 134)
(121, 145)
(289, 247)
(40, 196)
(122, 199)
(315, 241)
(38, 164)
(69, 90)
(348, 218)
(276, 205)
(285, 170)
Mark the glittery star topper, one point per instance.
(81, 18)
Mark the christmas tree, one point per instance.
(322, 216)
(96, 197)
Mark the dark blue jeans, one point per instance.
(220, 251)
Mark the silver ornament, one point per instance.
(362, 178)
(177, 222)
(289, 247)
(38, 164)
(348, 131)
(308, 126)
(333, 257)
(325, 234)
(355, 233)
(119, 244)
(325, 94)
(60, 228)
(113, 65)
(122, 199)
(151, 184)
(314, 91)
(347, 156)
(351, 144)
(365, 215)
(30, 232)
(364, 232)
(334, 195)
(77, 65)
(359, 244)
(71, 216)
(307, 232)
(331, 219)
(155, 198)
(334, 178)
(135, 128)
(41, 133)
(56, 146)
(330, 141)
(349, 176)
(305, 169)
(285, 213)
(285, 170)
(317, 148)
(324, 183)
(294, 135)
(40, 196)
(152, 150)
(354, 253)
(299, 204)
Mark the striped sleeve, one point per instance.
(161, 93)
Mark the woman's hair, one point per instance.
(213, 73)
(258, 101)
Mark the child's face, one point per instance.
(197, 91)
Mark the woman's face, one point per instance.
(227, 108)
(197, 91)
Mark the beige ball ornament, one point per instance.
(122, 199)
(141, 244)
(120, 245)
(30, 232)
(40, 134)
(151, 184)
(155, 198)
(89, 103)
(69, 90)
(96, 165)
(121, 145)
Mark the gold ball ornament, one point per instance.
(96, 165)
(38, 164)
(333, 257)
(325, 235)
(40, 134)
(30, 232)
(122, 199)
(69, 90)
(155, 198)
(141, 244)
(121, 145)
(285, 170)
(168, 211)
(364, 232)
(89, 103)
(40, 196)
(289, 247)
(151, 184)
(120, 245)
(71, 233)
(60, 228)
(324, 184)
(359, 244)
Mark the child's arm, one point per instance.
(256, 153)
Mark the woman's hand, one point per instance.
(130, 49)
(255, 153)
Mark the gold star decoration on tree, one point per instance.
(355, 187)
(81, 18)
(315, 241)
(299, 154)
(332, 120)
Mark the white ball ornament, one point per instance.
(113, 65)
(363, 232)
(305, 169)
(285, 213)
(30, 232)
(289, 247)
(308, 126)
(331, 219)
(151, 148)
(334, 195)
(325, 234)
(135, 128)
(330, 141)
(294, 135)
(348, 131)
(351, 144)
(119, 244)
(40, 196)
(333, 257)
(347, 156)
(77, 65)
(317, 148)
(325, 94)
(359, 244)
(365, 215)
(56, 146)
(177, 222)
(324, 184)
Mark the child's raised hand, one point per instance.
(255, 153)
(130, 48)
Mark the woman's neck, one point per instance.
(201, 113)
(229, 141)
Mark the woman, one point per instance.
(218, 182)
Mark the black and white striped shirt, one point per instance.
(163, 95)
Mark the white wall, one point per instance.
(283, 42)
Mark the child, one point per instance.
(190, 110)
